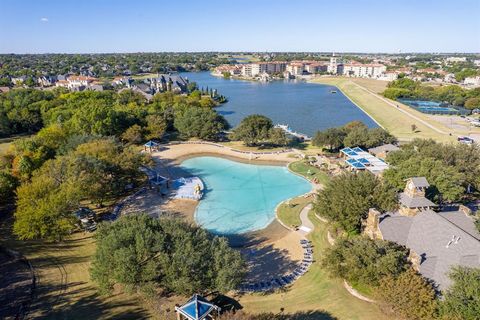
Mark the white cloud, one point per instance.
(44, 19)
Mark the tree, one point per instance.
(345, 200)
(357, 137)
(156, 126)
(444, 180)
(332, 137)
(278, 137)
(200, 123)
(472, 103)
(253, 129)
(462, 299)
(145, 253)
(134, 134)
(414, 127)
(363, 261)
(44, 208)
(8, 184)
(407, 295)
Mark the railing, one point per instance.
(229, 148)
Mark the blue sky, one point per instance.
(72, 26)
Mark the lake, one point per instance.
(305, 107)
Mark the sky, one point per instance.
(93, 26)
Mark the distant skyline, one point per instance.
(370, 26)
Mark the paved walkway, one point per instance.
(307, 225)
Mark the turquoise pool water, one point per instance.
(241, 197)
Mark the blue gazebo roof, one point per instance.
(197, 308)
(150, 144)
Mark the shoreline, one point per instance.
(350, 99)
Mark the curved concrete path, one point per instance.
(307, 225)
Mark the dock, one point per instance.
(289, 131)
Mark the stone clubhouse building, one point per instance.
(438, 240)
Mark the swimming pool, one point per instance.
(241, 197)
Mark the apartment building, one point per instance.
(363, 70)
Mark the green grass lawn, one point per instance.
(308, 171)
(289, 212)
(396, 122)
(315, 291)
(64, 289)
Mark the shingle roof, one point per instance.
(440, 243)
(420, 182)
(415, 202)
(383, 148)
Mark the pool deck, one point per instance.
(272, 251)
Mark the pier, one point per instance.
(289, 131)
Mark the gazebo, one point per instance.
(150, 145)
(197, 308)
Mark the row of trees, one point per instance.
(163, 255)
(106, 65)
(453, 170)
(453, 94)
(353, 134)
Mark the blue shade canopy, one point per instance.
(363, 160)
(150, 144)
(196, 308)
(356, 164)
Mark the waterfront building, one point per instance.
(296, 68)
(335, 66)
(363, 70)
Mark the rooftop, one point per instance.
(442, 240)
(359, 159)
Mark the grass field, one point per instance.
(315, 291)
(308, 171)
(289, 212)
(64, 289)
(391, 118)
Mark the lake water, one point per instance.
(241, 197)
(306, 107)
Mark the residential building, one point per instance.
(388, 76)
(363, 70)
(168, 82)
(472, 81)
(456, 59)
(296, 68)
(335, 66)
(47, 81)
(315, 67)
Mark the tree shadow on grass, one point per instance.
(303, 315)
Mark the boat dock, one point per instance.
(289, 131)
